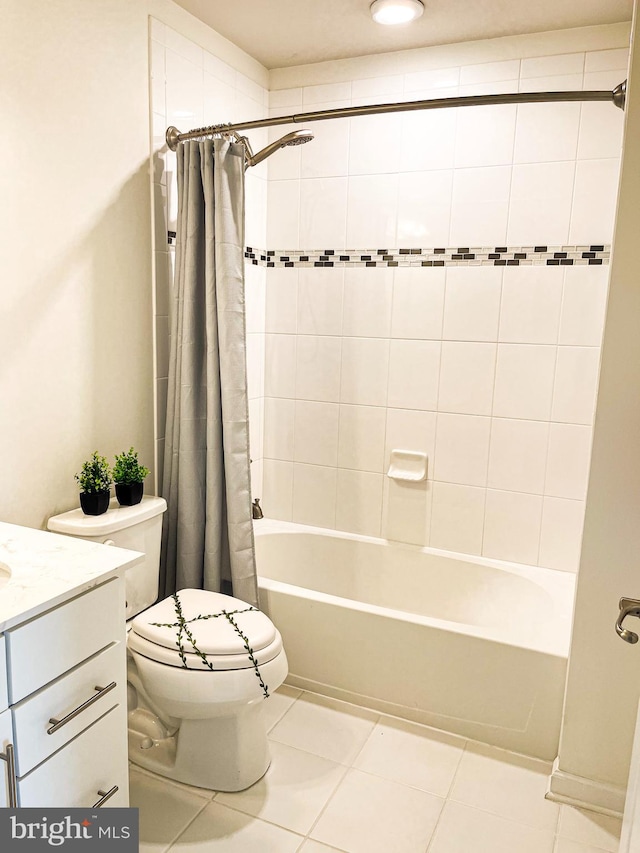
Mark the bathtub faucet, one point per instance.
(256, 509)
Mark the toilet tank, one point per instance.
(138, 528)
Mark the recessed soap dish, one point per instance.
(409, 465)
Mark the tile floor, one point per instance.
(346, 779)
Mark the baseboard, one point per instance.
(585, 793)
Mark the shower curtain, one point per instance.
(208, 532)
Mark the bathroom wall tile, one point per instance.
(281, 310)
(326, 93)
(561, 534)
(184, 91)
(546, 132)
(408, 429)
(278, 428)
(540, 206)
(316, 433)
(487, 72)
(418, 303)
(277, 498)
(457, 518)
(256, 365)
(594, 201)
(462, 449)
(255, 299)
(406, 511)
(318, 368)
(421, 224)
(480, 206)
(472, 303)
(183, 46)
(467, 374)
(551, 83)
(219, 96)
(280, 366)
(374, 145)
(485, 136)
(428, 139)
(376, 87)
(361, 439)
(291, 97)
(359, 502)
(256, 428)
(372, 211)
(530, 308)
(568, 461)
(157, 30)
(283, 215)
(584, 303)
(576, 385)
(368, 297)
(518, 455)
(323, 212)
(314, 495)
(606, 60)
(435, 78)
(365, 366)
(413, 374)
(545, 66)
(601, 130)
(286, 164)
(255, 210)
(524, 381)
(328, 154)
(512, 526)
(157, 68)
(320, 295)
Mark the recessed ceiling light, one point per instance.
(396, 11)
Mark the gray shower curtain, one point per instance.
(208, 532)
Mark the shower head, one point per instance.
(296, 137)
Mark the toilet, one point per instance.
(195, 691)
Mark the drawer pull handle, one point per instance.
(10, 758)
(104, 796)
(58, 724)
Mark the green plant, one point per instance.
(95, 475)
(127, 469)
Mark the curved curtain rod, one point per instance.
(617, 97)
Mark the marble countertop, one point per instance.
(48, 568)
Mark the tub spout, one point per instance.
(256, 509)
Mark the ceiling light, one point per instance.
(396, 11)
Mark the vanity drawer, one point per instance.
(73, 777)
(75, 690)
(4, 696)
(6, 739)
(49, 645)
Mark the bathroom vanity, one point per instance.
(63, 686)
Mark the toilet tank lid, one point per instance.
(76, 523)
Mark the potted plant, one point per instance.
(94, 480)
(129, 475)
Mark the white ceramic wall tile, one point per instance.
(323, 212)
(374, 145)
(524, 381)
(283, 214)
(457, 518)
(318, 368)
(183, 46)
(406, 511)
(568, 461)
(368, 296)
(546, 66)
(472, 303)
(316, 433)
(256, 365)
(428, 139)
(518, 455)
(576, 383)
(361, 439)
(480, 206)
(485, 136)
(286, 164)
(512, 526)
(413, 374)
(594, 201)
(256, 428)
(607, 60)
(255, 299)
(217, 68)
(281, 310)
(561, 534)
(372, 211)
(467, 374)
(601, 131)
(530, 308)
(157, 72)
(376, 87)
(359, 502)
(421, 224)
(462, 828)
(418, 303)
(540, 208)
(436, 78)
(280, 366)
(462, 449)
(314, 495)
(279, 98)
(328, 154)
(184, 90)
(552, 83)
(365, 366)
(255, 207)
(277, 499)
(584, 303)
(326, 93)
(409, 429)
(546, 132)
(320, 295)
(487, 72)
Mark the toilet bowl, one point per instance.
(200, 663)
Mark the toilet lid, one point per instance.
(216, 635)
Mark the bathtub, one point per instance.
(473, 646)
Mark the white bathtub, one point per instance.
(466, 644)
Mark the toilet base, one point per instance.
(220, 754)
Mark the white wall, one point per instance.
(490, 371)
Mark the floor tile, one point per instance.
(277, 705)
(293, 792)
(413, 755)
(564, 845)
(505, 784)
(332, 729)
(368, 814)
(462, 829)
(165, 810)
(218, 829)
(592, 828)
(311, 846)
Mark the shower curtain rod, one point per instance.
(617, 97)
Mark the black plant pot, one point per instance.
(129, 494)
(95, 503)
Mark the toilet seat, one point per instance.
(155, 632)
